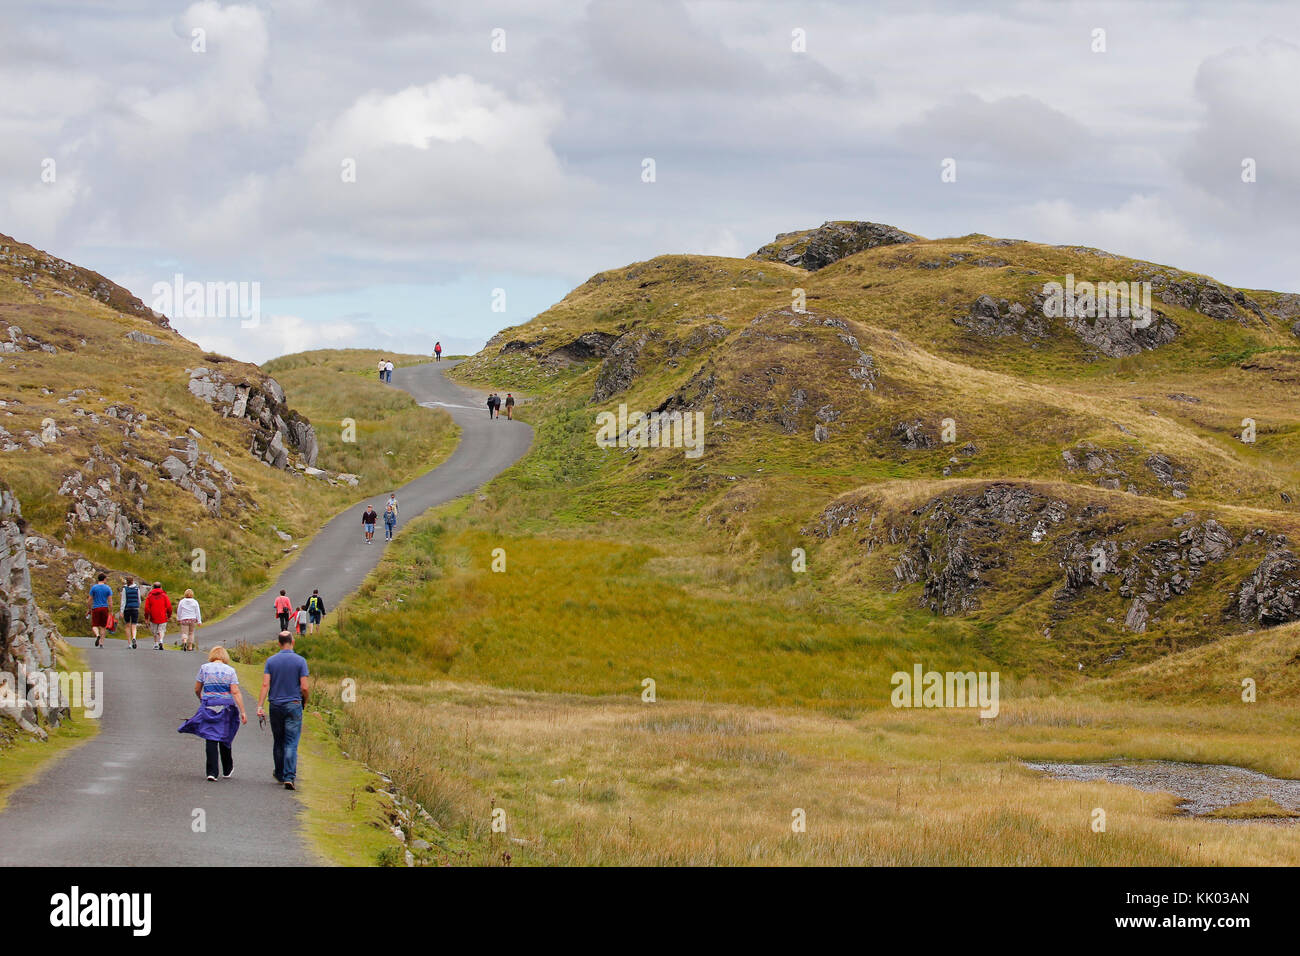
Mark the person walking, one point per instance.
(220, 713)
(437, 351)
(158, 611)
(381, 370)
(368, 519)
(510, 407)
(300, 620)
(283, 610)
(491, 404)
(129, 612)
(392, 501)
(101, 595)
(315, 610)
(388, 372)
(496, 405)
(189, 615)
(390, 521)
(284, 683)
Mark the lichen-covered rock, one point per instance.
(27, 638)
(278, 429)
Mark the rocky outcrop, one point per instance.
(619, 367)
(1117, 336)
(27, 638)
(1271, 594)
(1206, 297)
(995, 318)
(277, 430)
(814, 249)
(953, 540)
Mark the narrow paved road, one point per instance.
(129, 796)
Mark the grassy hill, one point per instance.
(919, 466)
(127, 458)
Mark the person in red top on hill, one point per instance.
(158, 610)
(283, 609)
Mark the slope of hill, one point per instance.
(1075, 493)
(133, 450)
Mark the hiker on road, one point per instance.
(189, 615)
(158, 611)
(492, 404)
(437, 351)
(101, 595)
(388, 372)
(220, 713)
(510, 407)
(129, 612)
(315, 610)
(390, 521)
(300, 619)
(496, 405)
(392, 501)
(368, 519)
(284, 682)
(283, 608)
(381, 370)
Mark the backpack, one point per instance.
(313, 603)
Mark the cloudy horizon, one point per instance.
(394, 176)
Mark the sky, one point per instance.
(392, 174)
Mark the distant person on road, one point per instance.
(390, 521)
(220, 713)
(101, 595)
(496, 404)
(492, 405)
(300, 619)
(510, 407)
(129, 612)
(388, 372)
(315, 610)
(283, 609)
(189, 615)
(392, 501)
(284, 682)
(437, 351)
(368, 519)
(158, 611)
(381, 370)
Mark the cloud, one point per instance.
(1016, 130)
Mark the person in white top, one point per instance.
(190, 616)
(392, 502)
(381, 369)
(388, 372)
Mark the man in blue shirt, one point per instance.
(284, 681)
(101, 595)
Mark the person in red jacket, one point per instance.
(158, 610)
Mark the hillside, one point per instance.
(133, 450)
(1062, 495)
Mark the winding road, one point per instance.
(128, 796)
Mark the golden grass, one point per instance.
(612, 780)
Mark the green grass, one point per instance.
(391, 440)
